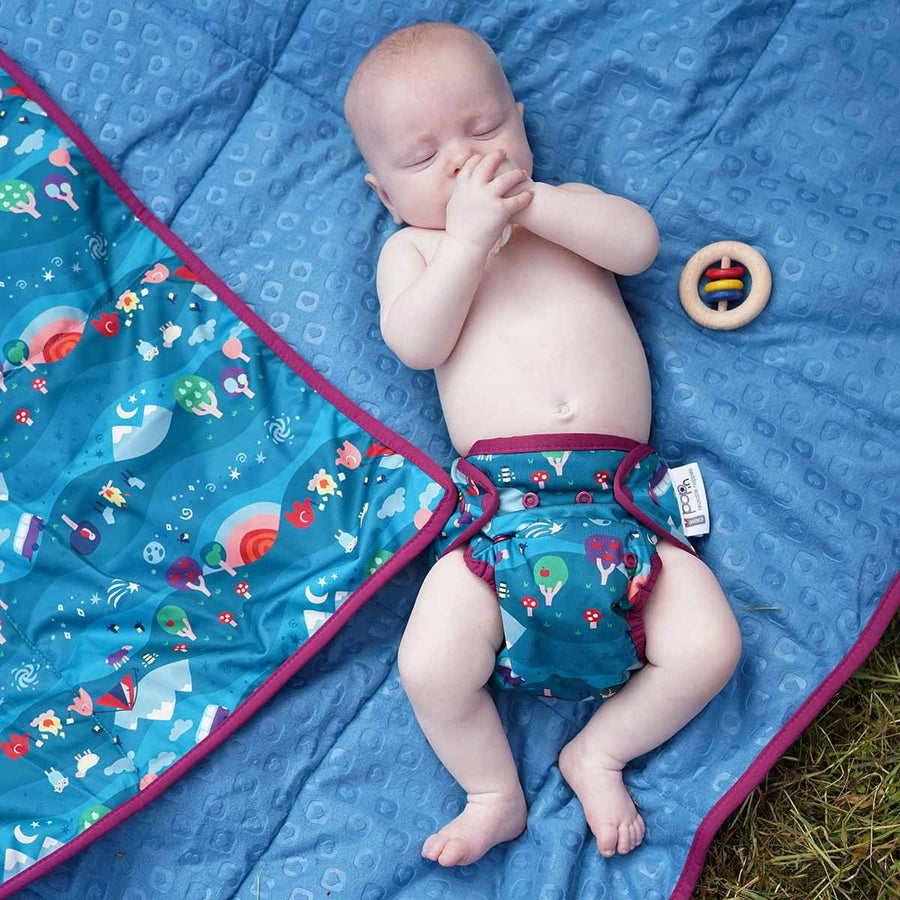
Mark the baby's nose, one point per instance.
(459, 160)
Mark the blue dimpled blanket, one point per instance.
(774, 124)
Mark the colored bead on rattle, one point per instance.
(725, 284)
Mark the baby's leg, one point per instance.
(446, 656)
(693, 646)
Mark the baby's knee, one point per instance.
(439, 669)
(721, 645)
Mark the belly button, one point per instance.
(564, 411)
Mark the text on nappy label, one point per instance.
(691, 495)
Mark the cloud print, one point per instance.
(33, 141)
(393, 504)
(122, 764)
(179, 727)
(203, 332)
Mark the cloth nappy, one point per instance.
(564, 528)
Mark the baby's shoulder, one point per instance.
(409, 241)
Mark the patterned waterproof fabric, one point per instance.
(180, 509)
(770, 123)
(564, 528)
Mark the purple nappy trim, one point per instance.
(635, 614)
(484, 570)
(537, 443)
(623, 494)
(492, 501)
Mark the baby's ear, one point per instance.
(372, 182)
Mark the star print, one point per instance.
(322, 582)
(95, 599)
(260, 457)
(334, 576)
(132, 399)
(48, 276)
(133, 586)
(76, 267)
(235, 474)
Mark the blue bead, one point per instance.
(715, 296)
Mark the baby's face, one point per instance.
(428, 118)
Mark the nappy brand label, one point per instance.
(691, 494)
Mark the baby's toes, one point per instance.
(626, 838)
(433, 846)
(607, 837)
(454, 852)
(641, 829)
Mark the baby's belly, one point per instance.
(535, 359)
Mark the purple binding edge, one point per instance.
(327, 631)
(798, 722)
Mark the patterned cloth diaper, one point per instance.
(564, 528)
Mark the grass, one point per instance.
(825, 822)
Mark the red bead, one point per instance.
(731, 272)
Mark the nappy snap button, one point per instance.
(584, 497)
(531, 500)
(631, 561)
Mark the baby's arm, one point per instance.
(611, 231)
(424, 306)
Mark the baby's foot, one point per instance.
(608, 807)
(487, 820)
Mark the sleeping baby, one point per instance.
(564, 571)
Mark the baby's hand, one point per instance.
(478, 211)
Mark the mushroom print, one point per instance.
(213, 555)
(182, 574)
(17, 197)
(227, 618)
(40, 384)
(605, 551)
(234, 349)
(23, 417)
(173, 619)
(17, 353)
(530, 604)
(195, 394)
(242, 589)
(60, 157)
(550, 573)
(593, 616)
(235, 381)
(557, 459)
(602, 478)
(540, 478)
(58, 187)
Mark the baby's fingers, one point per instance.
(469, 165)
(502, 183)
(517, 203)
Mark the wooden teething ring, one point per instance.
(721, 255)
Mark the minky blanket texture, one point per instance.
(770, 123)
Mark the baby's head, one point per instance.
(420, 103)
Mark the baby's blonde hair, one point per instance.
(394, 48)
